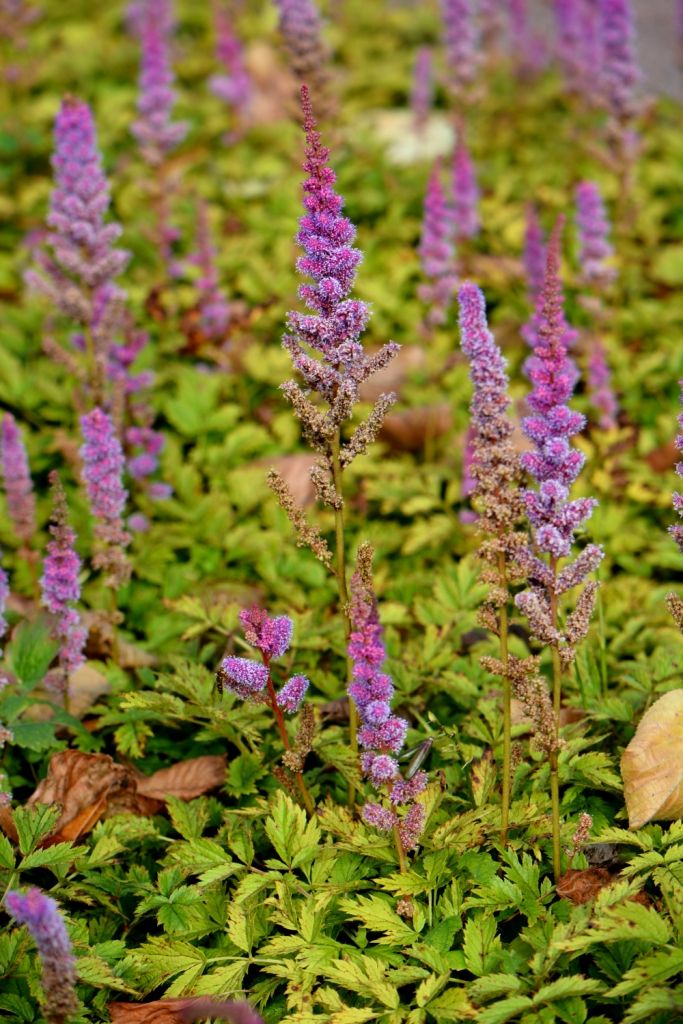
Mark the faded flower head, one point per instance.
(595, 250)
(619, 70)
(309, 56)
(41, 915)
(460, 44)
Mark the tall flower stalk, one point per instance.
(103, 464)
(423, 88)
(497, 496)
(460, 46)
(79, 275)
(233, 84)
(553, 516)
(252, 681)
(437, 253)
(43, 918)
(309, 56)
(21, 501)
(327, 353)
(61, 588)
(382, 734)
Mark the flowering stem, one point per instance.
(340, 573)
(557, 697)
(282, 729)
(507, 715)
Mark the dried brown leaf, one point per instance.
(409, 430)
(296, 472)
(582, 885)
(185, 780)
(393, 376)
(182, 1011)
(652, 764)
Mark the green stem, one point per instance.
(340, 573)
(507, 716)
(400, 852)
(282, 729)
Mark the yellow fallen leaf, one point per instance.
(652, 764)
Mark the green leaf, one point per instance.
(227, 979)
(59, 855)
(506, 1010)
(36, 736)
(378, 915)
(243, 774)
(33, 823)
(6, 853)
(452, 1005)
(481, 945)
(31, 652)
(294, 839)
(366, 977)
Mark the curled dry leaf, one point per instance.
(411, 429)
(296, 472)
(183, 1011)
(652, 764)
(88, 787)
(579, 885)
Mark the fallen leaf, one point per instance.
(182, 1011)
(410, 430)
(583, 884)
(393, 376)
(185, 780)
(664, 458)
(652, 764)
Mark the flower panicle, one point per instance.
(154, 130)
(103, 464)
(437, 252)
(21, 502)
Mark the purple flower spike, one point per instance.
(460, 44)
(600, 390)
(4, 595)
(568, 38)
(595, 250)
(465, 192)
(423, 88)
(155, 132)
(60, 585)
(291, 695)
(437, 252)
(243, 677)
(271, 636)
(21, 502)
(103, 464)
(676, 531)
(554, 464)
(214, 308)
(301, 31)
(79, 277)
(620, 71)
(233, 85)
(534, 253)
(382, 734)
(42, 917)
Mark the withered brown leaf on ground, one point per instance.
(185, 780)
(411, 429)
(579, 885)
(183, 1011)
(296, 472)
(88, 787)
(652, 764)
(393, 376)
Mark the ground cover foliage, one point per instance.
(176, 847)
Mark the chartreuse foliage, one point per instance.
(239, 893)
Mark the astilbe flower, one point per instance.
(272, 637)
(595, 254)
(534, 254)
(465, 192)
(4, 596)
(331, 330)
(308, 54)
(460, 44)
(42, 916)
(382, 734)
(5, 734)
(676, 531)
(21, 502)
(568, 39)
(103, 464)
(60, 587)
(437, 252)
(79, 277)
(214, 308)
(423, 88)
(233, 85)
(528, 47)
(620, 73)
(595, 250)
(155, 131)
(554, 464)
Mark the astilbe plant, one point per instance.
(497, 498)
(460, 47)
(619, 77)
(422, 93)
(79, 275)
(437, 252)
(553, 516)
(308, 54)
(213, 307)
(60, 588)
(253, 681)
(382, 734)
(21, 502)
(465, 197)
(233, 84)
(103, 464)
(533, 254)
(327, 352)
(5, 733)
(44, 921)
(156, 132)
(597, 274)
